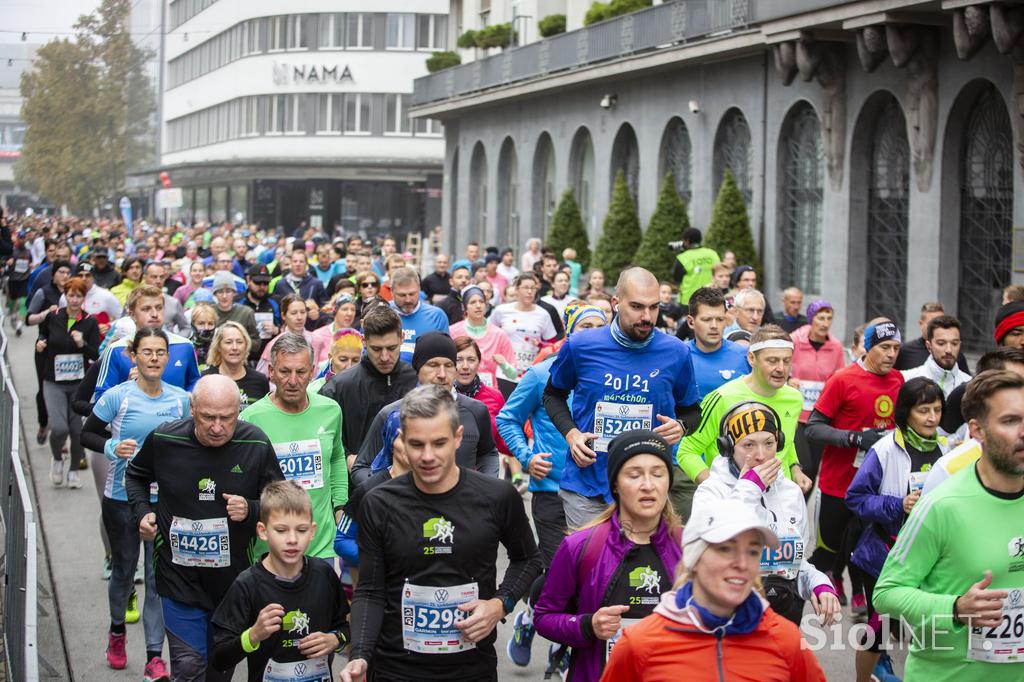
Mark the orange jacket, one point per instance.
(667, 647)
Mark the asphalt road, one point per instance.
(72, 547)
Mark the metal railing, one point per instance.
(18, 516)
(659, 26)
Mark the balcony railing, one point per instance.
(659, 26)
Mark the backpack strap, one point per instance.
(595, 542)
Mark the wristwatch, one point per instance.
(509, 604)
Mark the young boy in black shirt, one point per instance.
(287, 613)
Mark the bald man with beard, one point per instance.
(210, 469)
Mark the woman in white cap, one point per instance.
(715, 625)
(748, 471)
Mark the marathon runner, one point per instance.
(304, 430)
(969, 451)
(427, 603)
(967, 588)
(853, 412)
(145, 305)
(770, 355)
(131, 411)
(379, 378)
(434, 361)
(210, 470)
(287, 613)
(625, 376)
(750, 435)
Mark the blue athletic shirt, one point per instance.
(619, 389)
(714, 369)
(426, 318)
(132, 414)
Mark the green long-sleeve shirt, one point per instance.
(954, 534)
(309, 450)
(699, 449)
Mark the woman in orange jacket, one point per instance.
(714, 625)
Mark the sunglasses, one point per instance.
(367, 285)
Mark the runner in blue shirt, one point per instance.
(715, 360)
(625, 376)
(132, 410)
(418, 317)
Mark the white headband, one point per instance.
(771, 343)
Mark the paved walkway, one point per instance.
(72, 647)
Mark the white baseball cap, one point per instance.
(721, 522)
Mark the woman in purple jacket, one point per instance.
(611, 573)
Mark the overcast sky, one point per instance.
(41, 19)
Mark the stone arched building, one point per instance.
(879, 151)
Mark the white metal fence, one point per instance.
(19, 524)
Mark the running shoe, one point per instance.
(156, 671)
(859, 607)
(563, 665)
(74, 482)
(521, 484)
(883, 671)
(131, 614)
(117, 657)
(139, 575)
(107, 568)
(41, 435)
(19, 327)
(522, 639)
(83, 465)
(57, 472)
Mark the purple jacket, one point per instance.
(550, 614)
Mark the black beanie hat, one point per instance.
(1009, 316)
(433, 345)
(633, 443)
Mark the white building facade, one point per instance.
(292, 114)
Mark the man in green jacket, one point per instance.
(693, 265)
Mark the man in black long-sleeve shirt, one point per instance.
(427, 604)
(210, 470)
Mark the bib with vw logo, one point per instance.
(302, 461)
(429, 616)
(202, 543)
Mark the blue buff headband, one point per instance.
(875, 334)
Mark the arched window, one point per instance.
(626, 157)
(675, 156)
(732, 151)
(986, 215)
(888, 205)
(545, 198)
(800, 197)
(581, 175)
(478, 194)
(508, 194)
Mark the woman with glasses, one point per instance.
(132, 410)
(527, 325)
(344, 318)
(367, 287)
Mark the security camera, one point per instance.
(694, 106)
(608, 101)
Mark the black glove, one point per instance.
(863, 440)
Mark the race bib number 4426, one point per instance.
(202, 543)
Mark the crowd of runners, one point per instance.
(316, 444)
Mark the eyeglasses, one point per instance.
(148, 353)
(367, 285)
(753, 311)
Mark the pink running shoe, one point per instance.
(156, 671)
(117, 657)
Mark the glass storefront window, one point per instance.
(239, 198)
(218, 204)
(202, 204)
